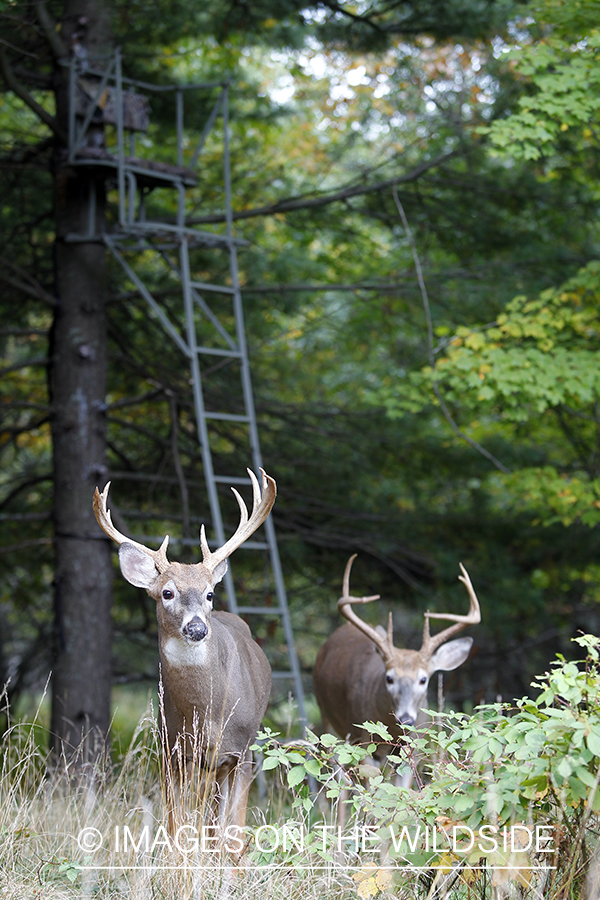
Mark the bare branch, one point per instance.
(297, 203)
(17, 404)
(18, 49)
(29, 332)
(26, 428)
(28, 285)
(383, 287)
(134, 401)
(49, 28)
(25, 364)
(364, 20)
(34, 79)
(436, 390)
(39, 542)
(24, 486)
(15, 85)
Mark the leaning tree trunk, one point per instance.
(83, 579)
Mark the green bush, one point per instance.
(509, 793)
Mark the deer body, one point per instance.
(201, 692)
(360, 676)
(216, 679)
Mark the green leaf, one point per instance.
(313, 767)
(295, 775)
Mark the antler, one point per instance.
(261, 507)
(105, 522)
(430, 644)
(385, 644)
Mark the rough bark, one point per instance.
(78, 367)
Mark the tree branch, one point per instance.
(436, 389)
(296, 203)
(38, 361)
(49, 28)
(24, 486)
(364, 20)
(33, 79)
(17, 88)
(29, 285)
(384, 287)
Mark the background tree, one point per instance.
(76, 366)
(323, 138)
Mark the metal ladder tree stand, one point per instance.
(105, 97)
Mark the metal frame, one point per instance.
(136, 233)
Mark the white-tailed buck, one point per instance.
(360, 676)
(216, 679)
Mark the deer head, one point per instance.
(185, 593)
(407, 672)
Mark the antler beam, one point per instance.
(104, 520)
(261, 507)
(385, 644)
(473, 617)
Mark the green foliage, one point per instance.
(530, 767)
(557, 56)
(539, 354)
(294, 23)
(537, 364)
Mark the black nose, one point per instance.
(195, 629)
(406, 720)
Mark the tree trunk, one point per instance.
(83, 577)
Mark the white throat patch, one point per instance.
(183, 653)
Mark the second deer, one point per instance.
(360, 676)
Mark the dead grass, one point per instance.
(47, 818)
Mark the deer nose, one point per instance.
(406, 719)
(195, 629)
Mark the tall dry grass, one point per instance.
(51, 822)
(48, 818)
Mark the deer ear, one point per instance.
(137, 567)
(219, 572)
(450, 656)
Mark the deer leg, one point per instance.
(240, 781)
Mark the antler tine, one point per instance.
(344, 605)
(262, 503)
(104, 520)
(473, 617)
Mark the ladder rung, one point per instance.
(247, 545)
(216, 351)
(261, 610)
(228, 417)
(233, 479)
(203, 285)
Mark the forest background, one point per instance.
(416, 428)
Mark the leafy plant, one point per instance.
(511, 788)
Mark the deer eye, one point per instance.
(167, 594)
(210, 596)
(423, 680)
(389, 679)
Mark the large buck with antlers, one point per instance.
(216, 679)
(360, 676)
